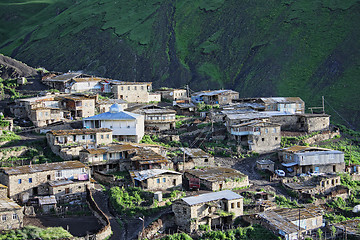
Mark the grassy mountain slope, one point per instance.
(259, 48)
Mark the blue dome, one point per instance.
(115, 108)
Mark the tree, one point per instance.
(320, 233)
(333, 231)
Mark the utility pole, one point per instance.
(323, 104)
(299, 224)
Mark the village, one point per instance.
(108, 159)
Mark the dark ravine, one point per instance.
(259, 48)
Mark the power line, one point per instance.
(339, 115)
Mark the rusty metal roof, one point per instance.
(282, 218)
(84, 131)
(216, 174)
(42, 167)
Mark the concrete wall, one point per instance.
(78, 187)
(132, 92)
(268, 140)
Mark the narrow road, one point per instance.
(102, 200)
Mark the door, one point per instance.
(35, 191)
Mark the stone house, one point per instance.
(314, 122)
(156, 179)
(282, 104)
(217, 178)
(103, 105)
(311, 186)
(285, 222)
(220, 97)
(265, 164)
(257, 136)
(126, 126)
(78, 106)
(68, 143)
(303, 159)
(62, 82)
(28, 181)
(194, 157)
(112, 157)
(172, 94)
(134, 91)
(145, 158)
(42, 116)
(158, 118)
(11, 214)
(212, 209)
(85, 84)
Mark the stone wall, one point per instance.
(164, 182)
(14, 219)
(12, 152)
(321, 137)
(105, 231)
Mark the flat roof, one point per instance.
(215, 174)
(256, 124)
(158, 111)
(110, 148)
(213, 196)
(46, 200)
(42, 167)
(214, 92)
(110, 101)
(264, 161)
(146, 174)
(64, 77)
(84, 131)
(195, 153)
(7, 204)
(118, 82)
(58, 183)
(281, 99)
(307, 149)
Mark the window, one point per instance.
(206, 160)
(128, 87)
(232, 205)
(30, 180)
(164, 179)
(91, 136)
(14, 216)
(135, 88)
(334, 168)
(107, 136)
(263, 139)
(96, 155)
(19, 181)
(110, 154)
(238, 204)
(102, 136)
(276, 138)
(83, 137)
(122, 88)
(274, 130)
(3, 218)
(58, 174)
(48, 177)
(158, 180)
(266, 130)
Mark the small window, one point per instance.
(206, 160)
(96, 155)
(135, 88)
(164, 179)
(263, 139)
(238, 204)
(48, 177)
(232, 205)
(102, 136)
(110, 154)
(19, 181)
(30, 180)
(107, 136)
(266, 130)
(276, 138)
(122, 88)
(129, 88)
(142, 87)
(3, 218)
(79, 187)
(274, 130)
(14, 216)
(83, 137)
(334, 168)
(158, 180)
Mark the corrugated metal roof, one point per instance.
(46, 200)
(110, 149)
(208, 197)
(212, 93)
(42, 167)
(58, 183)
(114, 116)
(145, 174)
(65, 77)
(282, 100)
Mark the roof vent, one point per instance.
(115, 108)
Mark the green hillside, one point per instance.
(305, 48)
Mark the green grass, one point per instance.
(31, 232)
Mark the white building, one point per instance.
(126, 126)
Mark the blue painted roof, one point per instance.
(114, 116)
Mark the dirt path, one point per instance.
(102, 200)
